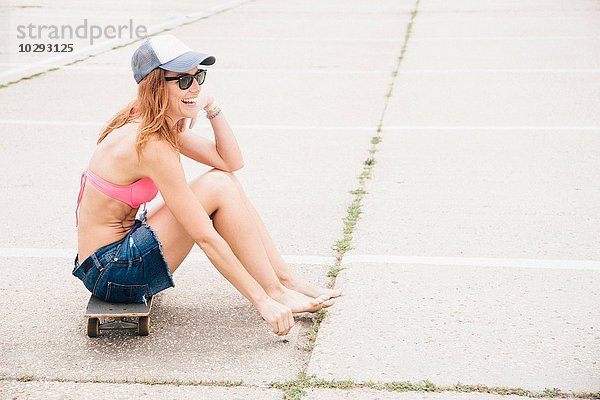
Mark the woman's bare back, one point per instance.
(102, 219)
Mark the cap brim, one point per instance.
(188, 61)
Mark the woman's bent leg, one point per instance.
(176, 242)
(221, 200)
(235, 224)
(286, 276)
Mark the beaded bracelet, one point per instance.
(214, 115)
(213, 107)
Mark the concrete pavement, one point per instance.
(475, 259)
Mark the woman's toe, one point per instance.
(328, 303)
(322, 298)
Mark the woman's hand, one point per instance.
(204, 100)
(277, 315)
(181, 125)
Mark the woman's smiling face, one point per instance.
(182, 103)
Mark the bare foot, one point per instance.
(300, 303)
(311, 290)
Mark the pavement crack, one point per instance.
(296, 389)
(342, 246)
(144, 381)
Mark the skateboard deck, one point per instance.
(117, 315)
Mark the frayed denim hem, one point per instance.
(143, 219)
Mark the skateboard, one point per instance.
(117, 315)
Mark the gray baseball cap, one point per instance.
(166, 52)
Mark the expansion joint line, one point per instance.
(342, 246)
(294, 390)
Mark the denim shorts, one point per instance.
(128, 271)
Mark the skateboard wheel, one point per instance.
(144, 326)
(93, 327)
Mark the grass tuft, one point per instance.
(314, 330)
(334, 271)
(145, 381)
(294, 390)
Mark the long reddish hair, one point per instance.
(150, 106)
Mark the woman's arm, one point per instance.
(165, 169)
(205, 151)
(161, 163)
(226, 145)
(223, 154)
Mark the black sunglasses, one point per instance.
(185, 81)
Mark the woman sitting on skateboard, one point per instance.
(138, 154)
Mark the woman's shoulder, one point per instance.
(158, 158)
(157, 150)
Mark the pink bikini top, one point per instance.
(133, 195)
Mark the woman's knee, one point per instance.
(215, 181)
(235, 180)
